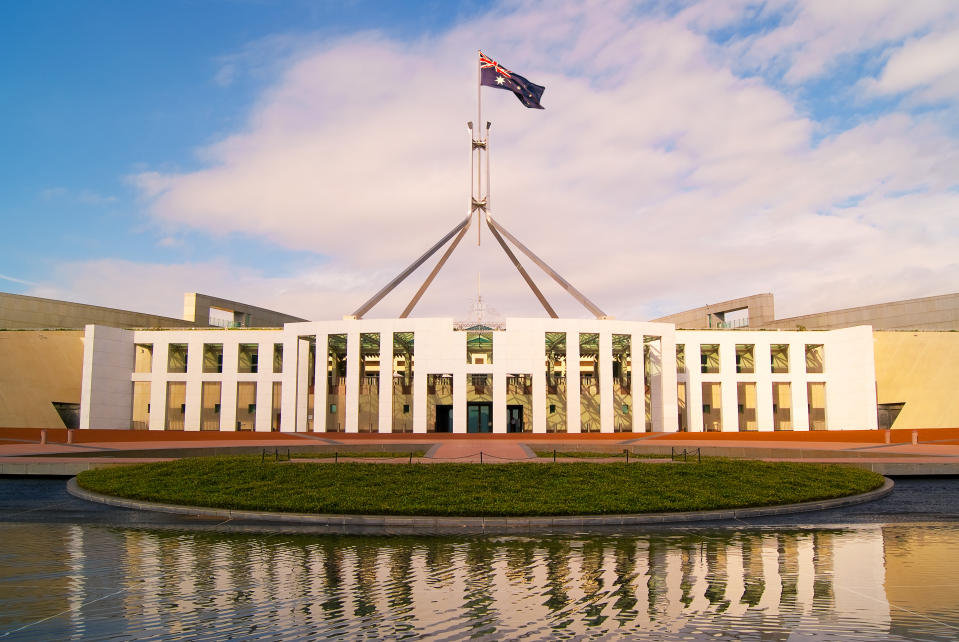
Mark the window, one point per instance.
(176, 358)
(277, 357)
(479, 348)
(212, 357)
(779, 358)
(814, 359)
(277, 403)
(712, 406)
(210, 405)
(782, 406)
(816, 400)
(248, 358)
(246, 405)
(744, 359)
(709, 358)
(143, 361)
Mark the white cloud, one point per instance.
(930, 63)
(816, 36)
(656, 179)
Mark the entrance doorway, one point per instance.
(514, 418)
(479, 416)
(444, 418)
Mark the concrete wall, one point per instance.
(922, 370)
(196, 308)
(106, 394)
(760, 306)
(19, 311)
(928, 313)
(38, 367)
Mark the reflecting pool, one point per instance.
(861, 582)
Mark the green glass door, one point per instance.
(479, 417)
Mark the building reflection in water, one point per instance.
(862, 583)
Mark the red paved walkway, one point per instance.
(939, 446)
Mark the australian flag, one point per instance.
(493, 74)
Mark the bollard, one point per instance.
(411, 456)
(43, 437)
(554, 455)
(915, 437)
(481, 456)
(888, 436)
(626, 450)
(69, 436)
(336, 457)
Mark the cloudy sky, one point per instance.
(297, 155)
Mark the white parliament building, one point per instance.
(434, 375)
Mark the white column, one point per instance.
(353, 356)
(459, 398)
(764, 387)
(157, 387)
(228, 379)
(499, 401)
(797, 378)
(573, 410)
(539, 399)
(302, 385)
(386, 382)
(264, 391)
(321, 363)
(656, 383)
(638, 359)
(668, 398)
(694, 390)
(728, 390)
(419, 397)
(289, 381)
(194, 367)
(605, 381)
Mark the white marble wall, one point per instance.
(440, 349)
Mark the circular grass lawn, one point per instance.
(480, 490)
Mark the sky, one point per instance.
(297, 155)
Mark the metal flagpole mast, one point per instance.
(478, 133)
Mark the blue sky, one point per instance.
(94, 91)
(297, 154)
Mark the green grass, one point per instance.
(578, 488)
(357, 454)
(592, 454)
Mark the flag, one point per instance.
(493, 74)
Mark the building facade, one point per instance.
(432, 375)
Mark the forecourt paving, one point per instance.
(895, 452)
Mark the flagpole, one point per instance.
(488, 197)
(478, 131)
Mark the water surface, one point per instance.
(853, 582)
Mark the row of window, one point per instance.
(779, 358)
(479, 351)
(747, 406)
(248, 357)
(210, 409)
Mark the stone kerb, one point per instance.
(433, 525)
